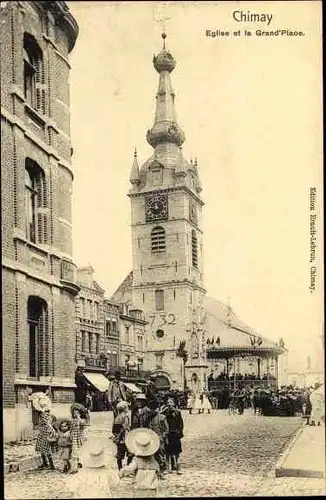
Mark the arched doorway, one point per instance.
(194, 382)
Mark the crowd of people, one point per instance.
(239, 376)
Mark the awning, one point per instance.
(132, 387)
(98, 380)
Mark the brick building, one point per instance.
(39, 276)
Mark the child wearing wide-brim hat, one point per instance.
(47, 433)
(93, 480)
(78, 423)
(143, 444)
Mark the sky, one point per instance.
(250, 107)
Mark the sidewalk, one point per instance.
(305, 455)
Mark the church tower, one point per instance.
(167, 247)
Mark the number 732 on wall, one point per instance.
(162, 319)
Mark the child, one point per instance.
(120, 428)
(93, 481)
(143, 444)
(64, 444)
(46, 433)
(158, 423)
(175, 434)
(77, 434)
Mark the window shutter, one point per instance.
(40, 227)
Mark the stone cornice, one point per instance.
(63, 18)
(168, 190)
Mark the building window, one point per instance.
(159, 333)
(38, 337)
(33, 74)
(140, 343)
(114, 359)
(114, 326)
(97, 344)
(127, 359)
(89, 309)
(159, 359)
(90, 343)
(159, 300)
(82, 307)
(140, 364)
(194, 249)
(83, 341)
(127, 335)
(107, 327)
(35, 203)
(96, 310)
(158, 240)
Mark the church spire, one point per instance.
(165, 129)
(134, 174)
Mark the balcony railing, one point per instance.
(129, 373)
(230, 383)
(69, 276)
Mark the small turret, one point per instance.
(134, 175)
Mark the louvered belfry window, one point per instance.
(158, 240)
(34, 74)
(194, 249)
(36, 203)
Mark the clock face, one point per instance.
(156, 206)
(192, 211)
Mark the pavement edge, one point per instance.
(279, 464)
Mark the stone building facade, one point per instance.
(90, 336)
(39, 276)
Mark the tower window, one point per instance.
(194, 249)
(159, 300)
(38, 328)
(33, 72)
(158, 240)
(35, 201)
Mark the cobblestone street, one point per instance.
(223, 455)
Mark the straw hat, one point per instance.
(142, 442)
(122, 405)
(92, 454)
(40, 401)
(77, 406)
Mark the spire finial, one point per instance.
(196, 163)
(135, 152)
(164, 37)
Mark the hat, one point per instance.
(142, 442)
(117, 374)
(122, 405)
(140, 395)
(92, 453)
(40, 401)
(79, 407)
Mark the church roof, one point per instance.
(221, 321)
(123, 288)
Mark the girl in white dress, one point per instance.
(206, 403)
(93, 480)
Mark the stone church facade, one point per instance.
(167, 279)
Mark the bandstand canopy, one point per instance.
(229, 337)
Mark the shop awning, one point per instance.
(132, 387)
(98, 380)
